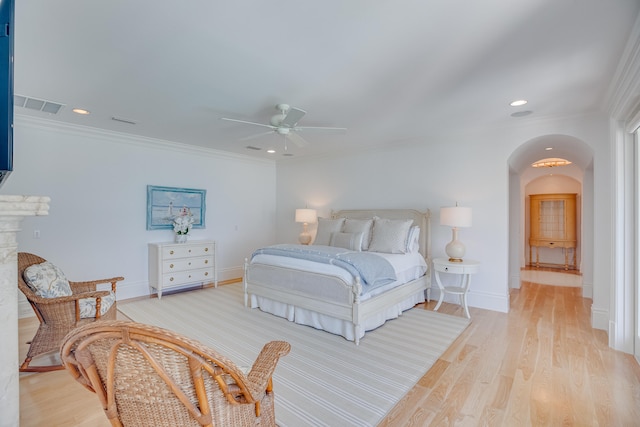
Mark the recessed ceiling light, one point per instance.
(518, 103)
(81, 111)
(271, 151)
(548, 149)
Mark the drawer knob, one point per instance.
(189, 276)
(171, 280)
(189, 263)
(206, 261)
(206, 249)
(446, 269)
(170, 265)
(171, 253)
(206, 273)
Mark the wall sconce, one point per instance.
(455, 217)
(306, 217)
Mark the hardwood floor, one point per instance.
(539, 365)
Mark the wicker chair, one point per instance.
(148, 376)
(58, 316)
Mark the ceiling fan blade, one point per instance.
(297, 139)
(293, 116)
(249, 123)
(259, 135)
(320, 129)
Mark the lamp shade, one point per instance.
(308, 216)
(455, 216)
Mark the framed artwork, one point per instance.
(165, 203)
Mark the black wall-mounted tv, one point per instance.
(6, 88)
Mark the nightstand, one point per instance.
(465, 269)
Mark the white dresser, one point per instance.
(174, 265)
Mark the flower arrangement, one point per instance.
(183, 222)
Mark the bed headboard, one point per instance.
(421, 219)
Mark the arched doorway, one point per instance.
(523, 178)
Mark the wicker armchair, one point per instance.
(58, 316)
(148, 376)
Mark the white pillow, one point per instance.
(390, 235)
(47, 280)
(325, 228)
(359, 226)
(413, 240)
(351, 241)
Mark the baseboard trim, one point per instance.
(600, 319)
(487, 301)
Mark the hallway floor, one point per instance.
(550, 276)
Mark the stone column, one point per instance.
(12, 210)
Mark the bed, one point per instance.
(327, 296)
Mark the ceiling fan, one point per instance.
(285, 123)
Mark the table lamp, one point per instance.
(306, 217)
(455, 217)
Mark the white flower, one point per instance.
(183, 222)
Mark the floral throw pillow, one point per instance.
(47, 281)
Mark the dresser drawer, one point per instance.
(186, 250)
(182, 264)
(451, 269)
(177, 278)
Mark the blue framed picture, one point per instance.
(165, 203)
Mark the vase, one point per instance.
(181, 238)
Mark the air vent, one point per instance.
(251, 147)
(37, 104)
(121, 120)
(521, 113)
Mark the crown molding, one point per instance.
(127, 139)
(623, 98)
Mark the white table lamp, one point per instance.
(455, 217)
(306, 217)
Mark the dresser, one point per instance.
(173, 265)
(552, 223)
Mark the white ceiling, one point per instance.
(390, 71)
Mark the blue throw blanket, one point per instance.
(373, 270)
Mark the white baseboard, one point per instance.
(140, 289)
(231, 273)
(487, 301)
(514, 282)
(600, 319)
(587, 290)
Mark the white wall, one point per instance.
(97, 183)
(471, 169)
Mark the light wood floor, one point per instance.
(539, 365)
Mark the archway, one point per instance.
(521, 174)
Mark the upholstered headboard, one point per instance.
(421, 219)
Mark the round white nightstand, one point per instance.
(465, 269)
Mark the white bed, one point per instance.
(327, 297)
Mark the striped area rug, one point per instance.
(325, 380)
